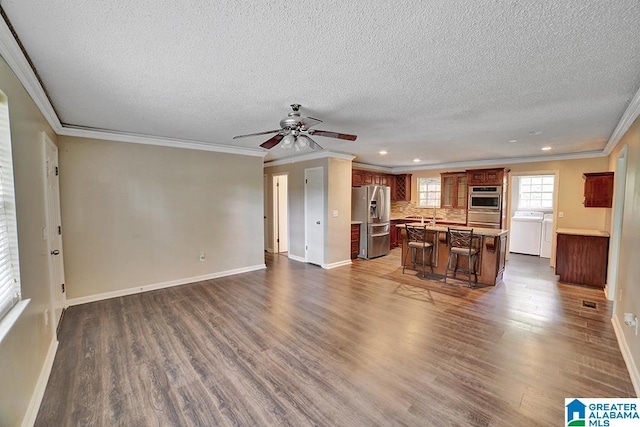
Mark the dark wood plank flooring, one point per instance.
(361, 345)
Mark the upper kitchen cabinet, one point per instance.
(357, 178)
(486, 176)
(362, 177)
(454, 190)
(401, 188)
(598, 189)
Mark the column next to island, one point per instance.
(490, 242)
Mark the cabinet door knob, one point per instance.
(318, 222)
(56, 252)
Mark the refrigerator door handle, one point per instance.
(379, 234)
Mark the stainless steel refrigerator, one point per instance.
(371, 204)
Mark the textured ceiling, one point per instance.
(443, 81)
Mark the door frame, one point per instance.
(510, 209)
(58, 300)
(619, 193)
(275, 185)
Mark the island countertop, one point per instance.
(491, 244)
(490, 232)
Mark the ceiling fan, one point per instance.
(294, 132)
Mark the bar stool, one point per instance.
(461, 244)
(417, 240)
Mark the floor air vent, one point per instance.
(589, 304)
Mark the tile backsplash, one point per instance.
(403, 209)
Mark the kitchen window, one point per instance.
(429, 192)
(536, 192)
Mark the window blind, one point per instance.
(9, 268)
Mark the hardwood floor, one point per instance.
(360, 345)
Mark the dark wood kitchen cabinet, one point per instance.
(355, 240)
(598, 189)
(401, 190)
(486, 176)
(582, 258)
(453, 190)
(400, 184)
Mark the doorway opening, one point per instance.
(532, 215)
(280, 214)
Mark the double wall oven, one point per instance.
(484, 208)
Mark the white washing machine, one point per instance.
(526, 229)
(547, 236)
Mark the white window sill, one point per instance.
(12, 317)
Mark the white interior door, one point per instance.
(283, 213)
(313, 215)
(53, 232)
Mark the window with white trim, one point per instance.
(536, 192)
(9, 268)
(429, 192)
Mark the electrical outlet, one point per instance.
(335, 213)
(46, 317)
(619, 294)
(560, 214)
(202, 257)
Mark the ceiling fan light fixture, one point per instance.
(288, 141)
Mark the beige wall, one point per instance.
(629, 268)
(23, 351)
(137, 215)
(338, 243)
(337, 189)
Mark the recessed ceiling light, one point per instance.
(416, 160)
(383, 152)
(535, 132)
(513, 140)
(547, 148)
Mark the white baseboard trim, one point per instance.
(626, 355)
(296, 258)
(154, 286)
(36, 398)
(336, 264)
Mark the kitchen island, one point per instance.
(490, 242)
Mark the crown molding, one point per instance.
(630, 114)
(500, 162)
(384, 169)
(309, 156)
(159, 141)
(13, 55)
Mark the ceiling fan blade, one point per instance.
(307, 122)
(312, 143)
(330, 134)
(259, 133)
(270, 143)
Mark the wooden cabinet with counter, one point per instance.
(491, 243)
(355, 240)
(453, 193)
(582, 256)
(598, 189)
